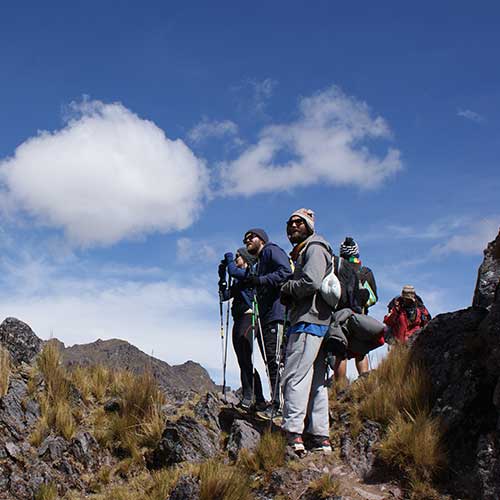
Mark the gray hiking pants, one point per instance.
(304, 385)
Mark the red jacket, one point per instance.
(402, 328)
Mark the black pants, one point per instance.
(271, 332)
(243, 346)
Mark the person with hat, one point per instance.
(365, 297)
(271, 271)
(238, 268)
(407, 314)
(304, 380)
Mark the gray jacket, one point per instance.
(313, 264)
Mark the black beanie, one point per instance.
(246, 255)
(259, 232)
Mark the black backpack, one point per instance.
(353, 295)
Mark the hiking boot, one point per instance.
(320, 444)
(260, 406)
(296, 443)
(271, 412)
(244, 404)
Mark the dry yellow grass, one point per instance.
(269, 455)
(325, 487)
(47, 491)
(223, 482)
(412, 444)
(140, 420)
(55, 402)
(4, 371)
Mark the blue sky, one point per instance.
(140, 141)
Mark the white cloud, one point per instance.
(107, 175)
(473, 238)
(326, 144)
(188, 250)
(470, 115)
(263, 90)
(206, 129)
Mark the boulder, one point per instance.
(208, 409)
(187, 488)
(185, 440)
(20, 340)
(242, 436)
(488, 276)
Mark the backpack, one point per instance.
(353, 295)
(365, 276)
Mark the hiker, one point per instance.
(365, 298)
(407, 314)
(238, 268)
(271, 271)
(305, 376)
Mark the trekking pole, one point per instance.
(224, 355)
(279, 357)
(261, 336)
(221, 313)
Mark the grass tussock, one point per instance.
(55, 401)
(398, 385)
(223, 482)
(268, 456)
(325, 487)
(412, 445)
(4, 371)
(47, 491)
(139, 422)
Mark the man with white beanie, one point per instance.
(305, 378)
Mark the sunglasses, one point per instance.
(249, 237)
(295, 222)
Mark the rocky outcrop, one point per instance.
(461, 352)
(20, 340)
(488, 277)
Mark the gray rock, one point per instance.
(187, 488)
(112, 406)
(52, 448)
(488, 276)
(359, 453)
(488, 467)
(242, 436)
(12, 415)
(184, 441)
(82, 447)
(208, 408)
(20, 340)
(13, 450)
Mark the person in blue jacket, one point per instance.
(272, 270)
(238, 267)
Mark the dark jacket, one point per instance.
(242, 297)
(313, 264)
(273, 269)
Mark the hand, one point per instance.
(252, 281)
(286, 299)
(222, 271)
(228, 257)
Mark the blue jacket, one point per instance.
(273, 269)
(242, 297)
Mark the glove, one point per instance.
(228, 257)
(286, 299)
(222, 271)
(252, 281)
